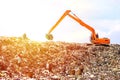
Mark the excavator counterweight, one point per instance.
(94, 37)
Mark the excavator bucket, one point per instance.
(49, 36)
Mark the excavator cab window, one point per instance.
(97, 36)
(92, 38)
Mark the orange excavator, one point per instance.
(94, 37)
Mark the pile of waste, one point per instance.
(22, 59)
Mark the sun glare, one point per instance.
(36, 37)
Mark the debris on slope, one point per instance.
(25, 59)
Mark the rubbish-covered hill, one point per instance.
(25, 59)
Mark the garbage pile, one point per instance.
(22, 59)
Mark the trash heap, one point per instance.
(22, 59)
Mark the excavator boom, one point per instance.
(61, 18)
(94, 36)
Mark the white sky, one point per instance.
(36, 17)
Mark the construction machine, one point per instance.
(94, 36)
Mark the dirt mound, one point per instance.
(25, 59)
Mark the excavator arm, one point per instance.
(94, 36)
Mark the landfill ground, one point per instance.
(24, 59)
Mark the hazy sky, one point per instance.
(36, 17)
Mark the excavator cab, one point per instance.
(94, 37)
